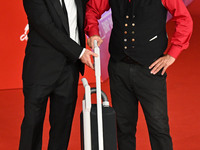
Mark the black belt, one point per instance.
(129, 60)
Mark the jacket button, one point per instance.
(133, 40)
(133, 16)
(126, 24)
(125, 40)
(125, 47)
(127, 17)
(133, 24)
(125, 32)
(133, 46)
(133, 32)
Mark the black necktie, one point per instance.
(64, 8)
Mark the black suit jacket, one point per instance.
(49, 46)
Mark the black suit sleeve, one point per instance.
(41, 21)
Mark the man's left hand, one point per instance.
(162, 63)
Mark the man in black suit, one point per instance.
(54, 57)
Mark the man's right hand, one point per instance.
(90, 41)
(86, 59)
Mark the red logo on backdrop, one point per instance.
(24, 36)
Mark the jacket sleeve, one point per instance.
(94, 10)
(40, 19)
(184, 26)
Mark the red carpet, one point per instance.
(183, 103)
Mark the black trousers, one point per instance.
(63, 95)
(133, 83)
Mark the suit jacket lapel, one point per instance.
(59, 9)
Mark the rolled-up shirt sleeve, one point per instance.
(94, 10)
(183, 29)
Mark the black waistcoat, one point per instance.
(139, 30)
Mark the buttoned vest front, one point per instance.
(139, 30)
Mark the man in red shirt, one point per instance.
(137, 66)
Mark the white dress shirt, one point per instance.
(72, 19)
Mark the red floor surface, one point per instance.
(183, 103)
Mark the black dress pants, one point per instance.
(63, 95)
(133, 83)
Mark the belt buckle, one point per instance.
(128, 60)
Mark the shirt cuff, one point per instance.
(175, 51)
(83, 51)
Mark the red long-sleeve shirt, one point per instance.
(183, 29)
